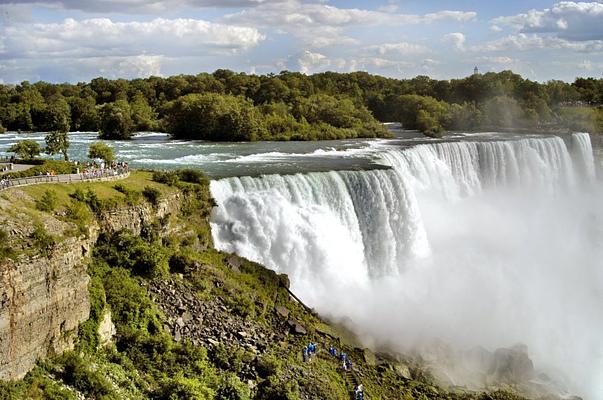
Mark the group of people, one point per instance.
(4, 183)
(88, 171)
(308, 351)
(94, 170)
(343, 357)
(347, 366)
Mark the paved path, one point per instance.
(109, 175)
(16, 168)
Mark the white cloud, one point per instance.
(528, 42)
(575, 21)
(103, 37)
(321, 25)
(138, 6)
(457, 39)
(294, 13)
(400, 48)
(309, 61)
(499, 60)
(141, 66)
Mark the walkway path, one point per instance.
(96, 176)
(15, 168)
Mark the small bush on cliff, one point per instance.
(133, 253)
(131, 196)
(42, 239)
(5, 249)
(192, 176)
(88, 331)
(48, 201)
(231, 388)
(90, 198)
(80, 215)
(182, 387)
(151, 194)
(169, 178)
(77, 373)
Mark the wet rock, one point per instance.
(403, 371)
(235, 263)
(511, 366)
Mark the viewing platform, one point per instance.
(92, 176)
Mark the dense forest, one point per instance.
(229, 106)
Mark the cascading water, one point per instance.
(478, 243)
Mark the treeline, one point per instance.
(226, 105)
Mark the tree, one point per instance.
(212, 116)
(26, 149)
(84, 115)
(55, 116)
(116, 121)
(101, 151)
(57, 142)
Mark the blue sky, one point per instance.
(75, 40)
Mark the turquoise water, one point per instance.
(218, 160)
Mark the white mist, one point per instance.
(474, 243)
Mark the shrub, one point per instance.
(181, 387)
(48, 201)
(169, 178)
(151, 194)
(273, 389)
(77, 373)
(88, 331)
(231, 388)
(268, 365)
(192, 176)
(132, 196)
(131, 252)
(5, 249)
(42, 239)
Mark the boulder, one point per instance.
(106, 329)
(282, 311)
(296, 327)
(511, 366)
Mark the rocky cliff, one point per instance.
(44, 289)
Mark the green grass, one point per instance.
(137, 181)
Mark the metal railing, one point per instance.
(86, 176)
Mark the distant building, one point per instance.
(475, 71)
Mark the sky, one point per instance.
(77, 40)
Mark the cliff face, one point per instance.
(44, 294)
(43, 300)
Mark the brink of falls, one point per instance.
(487, 243)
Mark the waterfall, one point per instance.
(582, 152)
(288, 222)
(496, 239)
